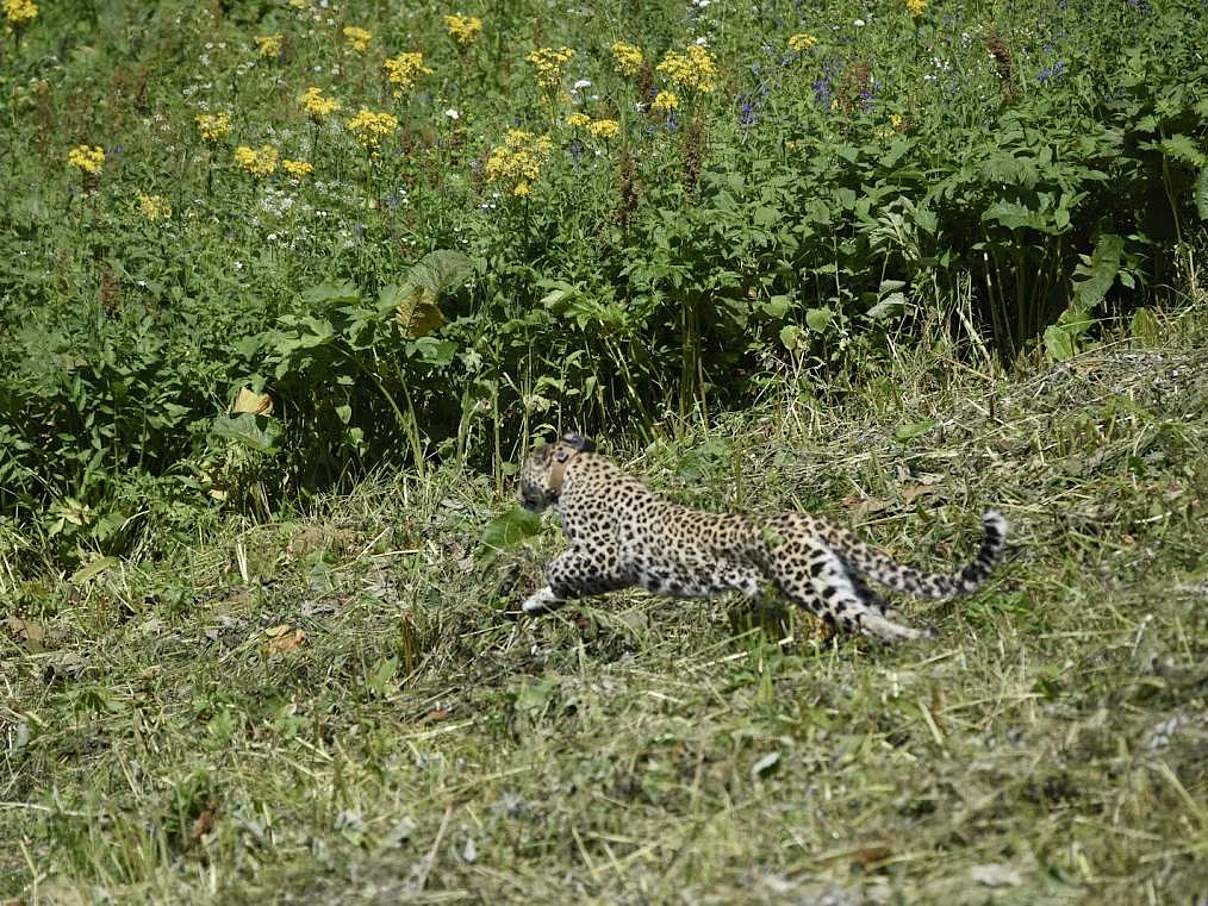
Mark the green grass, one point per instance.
(1049, 746)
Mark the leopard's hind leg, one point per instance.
(814, 576)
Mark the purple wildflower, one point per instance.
(823, 92)
(748, 106)
(1051, 73)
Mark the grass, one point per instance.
(333, 708)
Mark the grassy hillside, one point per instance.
(335, 707)
(288, 286)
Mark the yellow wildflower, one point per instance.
(86, 159)
(604, 129)
(896, 126)
(802, 42)
(269, 46)
(517, 162)
(357, 38)
(694, 70)
(371, 129)
(316, 105)
(578, 120)
(463, 29)
(549, 64)
(403, 70)
(19, 13)
(259, 163)
(297, 168)
(214, 127)
(627, 59)
(664, 102)
(916, 8)
(153, 207)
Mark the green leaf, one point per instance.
(509, 529)
(917, 429)
(1014, 216)
(1201, 194)
(331, 293)
(1181, 148)
(380, 676)
(1145, 326)
(93, 569)
(1100, 273)
(777, 306)
(889, 307)
(256, 432)
(344, 413)
(1059, 343)
(818, 318)
(534, 698)
(432, 351)
(415, 309)
(415, 301)
(790, 336)
(765, 216)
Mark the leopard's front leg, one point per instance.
(578, 573)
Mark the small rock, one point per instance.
(995, 875)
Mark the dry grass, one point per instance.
(173, 737)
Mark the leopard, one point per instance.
(621, 534)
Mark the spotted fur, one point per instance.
(622, 534)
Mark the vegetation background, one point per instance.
(287, 288)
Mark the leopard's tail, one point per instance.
(879, 567)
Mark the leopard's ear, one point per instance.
(580, 442)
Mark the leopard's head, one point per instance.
(543, 470)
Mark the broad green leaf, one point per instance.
(818, 318)
(765, 216)
(256, 432)
(1014, 216)
(509, 529)
(331, 292)
(917, 429)
(777, 306)
(433, 351)
(415, 309)
(415, 301)
(1059, 344)
(889, 307)
(790, 336)
(1100, 273)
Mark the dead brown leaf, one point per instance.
(202, 825)
(248, 400)
(284, 639)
